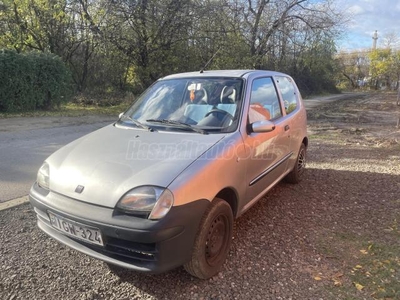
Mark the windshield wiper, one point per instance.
(136, 122)
(178, 125)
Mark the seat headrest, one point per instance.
(228, 95)
(200, 96)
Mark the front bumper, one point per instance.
(129, 242)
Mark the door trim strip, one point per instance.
(270, 169)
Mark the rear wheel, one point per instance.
(296, 175)
(213, 241)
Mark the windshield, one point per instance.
(195, 104)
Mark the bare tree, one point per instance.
(145, 31)
(391, 40)
(266, 21)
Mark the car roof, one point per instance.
(223, 73)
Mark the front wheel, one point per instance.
(296, 175)
(213, 241)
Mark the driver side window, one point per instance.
(264, 101)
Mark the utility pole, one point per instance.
(375, 38)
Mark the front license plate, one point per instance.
(75, 229)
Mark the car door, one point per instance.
(292, 106)
(268, 152)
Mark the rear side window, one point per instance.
(288, 92)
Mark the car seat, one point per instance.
(228, 95)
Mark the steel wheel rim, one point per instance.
(216, 239)
(301, 162)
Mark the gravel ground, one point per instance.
(285, 247)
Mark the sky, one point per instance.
(366, 17)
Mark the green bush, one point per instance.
(30, 81)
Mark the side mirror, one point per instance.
(120, 115)
(262, 126)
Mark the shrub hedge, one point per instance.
(30, 81)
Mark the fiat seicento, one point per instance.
(161, 187)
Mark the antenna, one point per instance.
(202, 70)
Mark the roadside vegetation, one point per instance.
(370, 69)
(117, 47)
(71, 110)
(32, 80)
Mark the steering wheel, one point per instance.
(219, 111)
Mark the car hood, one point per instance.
(111, 161)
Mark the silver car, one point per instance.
(161, 187)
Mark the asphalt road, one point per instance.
(23, 150)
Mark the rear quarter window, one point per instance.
(288, 91)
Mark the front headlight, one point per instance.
(43, 176)
(147, 200)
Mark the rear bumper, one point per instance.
(129, 242)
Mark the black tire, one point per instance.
(296, 175)
(213, 240)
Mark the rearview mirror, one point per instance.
(262, 126)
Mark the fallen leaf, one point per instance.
(317, 278)
(337, 282)
(358, 267)
(358, 286)
(386, 261)
(364, 251)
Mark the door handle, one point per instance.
(287, 127)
